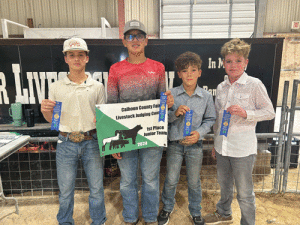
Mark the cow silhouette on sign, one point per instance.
(132, 133)
(118, 144)
(109, 140)
(118, 141)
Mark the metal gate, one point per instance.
(287, 172)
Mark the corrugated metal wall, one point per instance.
(59, 13)
(147, 11)
(280, 14)
(207, 19)
(87, 13)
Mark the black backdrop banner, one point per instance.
(29, 66)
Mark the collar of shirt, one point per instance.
(87, 82)
(197, 91)
(241, 80)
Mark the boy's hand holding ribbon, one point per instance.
(192, 139)
(47, 106)
(170, 99)
(237, 110)
(232, 110)
(194, 136)
(181, 110)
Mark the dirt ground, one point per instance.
(277, 209)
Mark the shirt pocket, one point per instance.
(242, 99)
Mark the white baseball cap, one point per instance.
(75, 44)
(134, 25)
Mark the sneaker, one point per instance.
(216, 218)
(198, 220)
(128, 223)
(163, 217)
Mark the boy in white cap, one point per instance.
(79, 94)
(138, 78)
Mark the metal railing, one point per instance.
(104, 25)
(4, 23)
(32, 172)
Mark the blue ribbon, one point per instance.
(225, 123)
(162, 108)
(188, 123)
(56, 116)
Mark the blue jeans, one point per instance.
(193, 157)
(238, 171)
(149, 159)
(68, 154)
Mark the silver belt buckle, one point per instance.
(76, 136)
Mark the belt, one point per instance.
(79, 136)
(179, 142)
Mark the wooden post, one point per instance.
(30, 22)
(121, 16)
